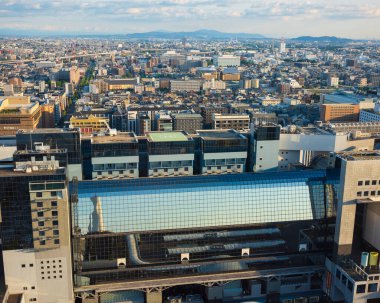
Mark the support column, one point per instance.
(214, 293)
(153, 296)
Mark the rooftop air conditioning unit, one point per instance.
(185, 257)
(121, 262)
(245, 252)
(302, 247)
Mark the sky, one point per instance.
(272, 18)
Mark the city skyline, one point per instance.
(272, 18)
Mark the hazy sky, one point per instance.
(274, 18)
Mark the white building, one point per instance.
(226, 60)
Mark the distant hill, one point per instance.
(322, 39)
(200, 34)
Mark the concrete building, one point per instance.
(163, 122)
(170, 154)
(89, 124)
(189, 123)
(208, 110)
(333, 81)
(230, 121)
(185, 85)
(339, 113)
(269, 101)
(266, 143)
(18, 113)
(115, 157)
(353, 271)
(222, 151)
(36, 244)
(226, 60)
(367, 115)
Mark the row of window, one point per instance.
(368, 193)
(41, 214)
(114, 166)
(42, 223)
(42, 233)
(167, 170)
(368, 182)
(52, 204)
(213, 162)
(52, 194)
(170, 164)
(43, 242)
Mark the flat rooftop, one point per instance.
(167, 136)
(119, 138)
(47, 131)
(219, 134)
(358, 156)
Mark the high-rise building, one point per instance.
(282, 46)
(35, 229)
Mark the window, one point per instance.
(41, 233)
(40, 204)
(186, 169)
(367, 182)
(41, 223)
(56, 241)
(360, 289)
(33, 287)
(53, 193)
(374, 182)
(55, 232)
(373, 192)
(25, 288)
(22, 265)
(40, 214)
(359, 193)
(366, 194)
(54, 213)
(55, 222)
(42, 242)
(360, 183)
(131, 171)
(54, 204)
(31, 265)
(372, 287)
(39, 195)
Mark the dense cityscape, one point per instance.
(189, 169)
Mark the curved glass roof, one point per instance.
(196, 202)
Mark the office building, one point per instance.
(18, 113)
(230, 121)
(222, 151)
(185, 85)
(115, 157)
(226, 61)
(170, 154)
(121, 84)
(282, 46)
(35, 231)
(48, 115)
(339, 113)
(189, 123)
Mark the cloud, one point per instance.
(230, 15)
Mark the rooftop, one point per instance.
(167, 136)
(219, 134)
(357, 156)
(119, 138)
